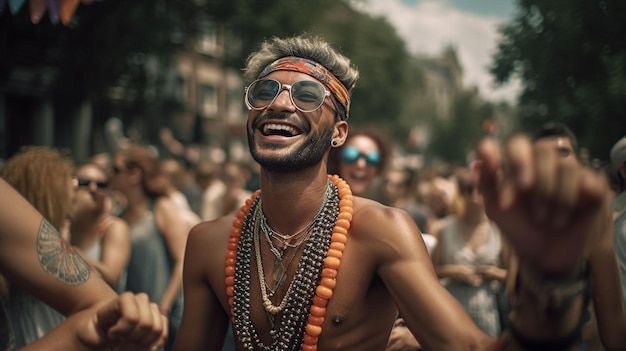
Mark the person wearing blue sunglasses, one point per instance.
(361, 160)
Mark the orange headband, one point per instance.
(316, 71)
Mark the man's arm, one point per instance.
(436, 318)
(202, 307)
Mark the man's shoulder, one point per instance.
(371, 218)
(367, 209)
(212, 233)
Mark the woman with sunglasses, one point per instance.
(102, 239)
(361, 161)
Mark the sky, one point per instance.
(471, 26)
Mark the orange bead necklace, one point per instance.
(331, 263)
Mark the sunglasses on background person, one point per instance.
(351, 154)
(305, 95)
(86, 182)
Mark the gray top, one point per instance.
(150, 266)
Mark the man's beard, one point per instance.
(309, 154)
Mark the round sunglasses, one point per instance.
(351, 154)
(305, 95)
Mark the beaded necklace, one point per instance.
(305, 308)
(280, 268)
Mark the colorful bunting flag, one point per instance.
(37, 9)
(67, 7)
(57, 9)
(15, 5)
(53, 11)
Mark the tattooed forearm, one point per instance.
(58, 258)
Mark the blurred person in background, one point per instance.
(604, 318)
(235, 176)
(174, 171)
(434, 191)
(254, 169)
(470, 256)
(102, 239)
(104, 160)
(397, 192)
(557, 140)
(361, 161)
(43, 176)
(158, 233)
(209, 178)
(188, 153)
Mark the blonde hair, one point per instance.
(42, 175)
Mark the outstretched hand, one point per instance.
(128, 322)
(552, 212)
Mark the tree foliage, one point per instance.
(454, 139)
(571, 57)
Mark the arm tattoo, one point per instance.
(58, 258)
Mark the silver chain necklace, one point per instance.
(280, 268)
(286, 334)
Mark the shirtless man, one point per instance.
(305, 265)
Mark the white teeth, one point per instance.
(278, 127)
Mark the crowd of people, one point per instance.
(331, 241)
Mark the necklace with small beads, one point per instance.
(300, 325)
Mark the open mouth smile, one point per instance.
(279, 129)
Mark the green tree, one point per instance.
(455, 138)
(571, 58)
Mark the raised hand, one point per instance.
(552, 212)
